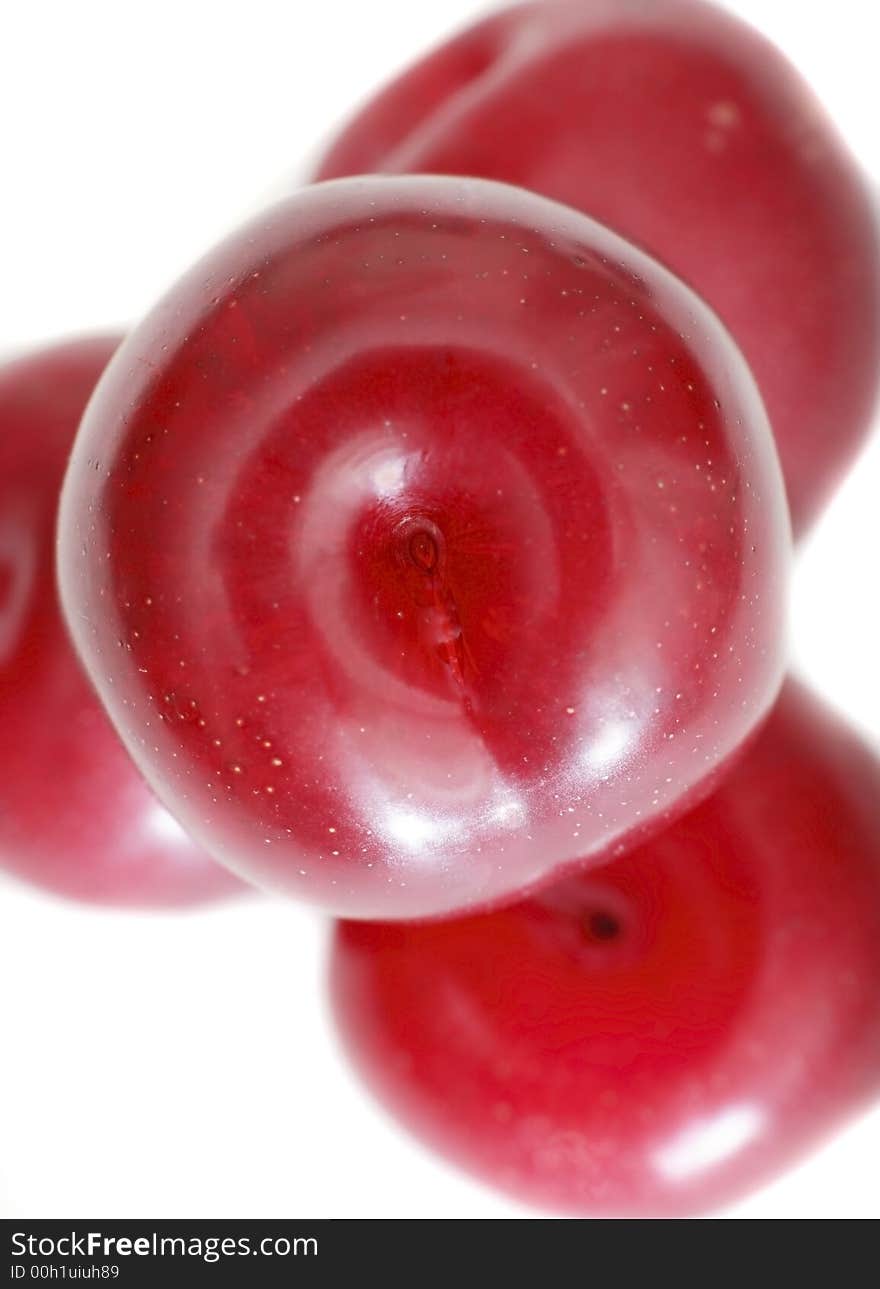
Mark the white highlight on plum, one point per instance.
(509, 813)
(412, 829)
(709, 1142)
(426, 830)
(163, 827)
(389, 475)
(610, 745)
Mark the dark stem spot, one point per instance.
(601, 926)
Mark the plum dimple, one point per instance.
(424, 544)
(462, 531)
(439, 623)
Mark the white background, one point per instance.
(184, 1065)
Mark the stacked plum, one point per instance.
(425, 550)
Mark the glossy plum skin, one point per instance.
(685, 131)
(661, 1035)
(426, 537)
(76, 818)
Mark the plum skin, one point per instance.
(76, 818)
(425, 538)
